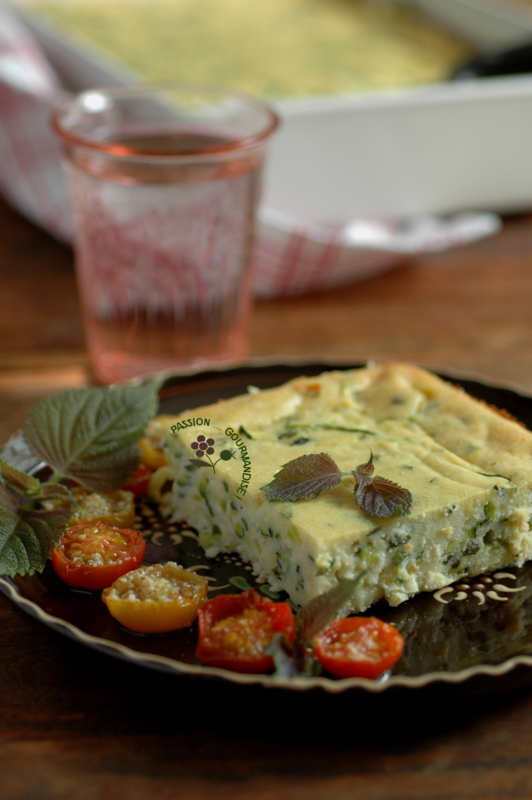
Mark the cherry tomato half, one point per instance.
(151, 450)
(116, 508)
(234, 631)
(358, 647)
(92, 556)
(156, 598)
(139, 482)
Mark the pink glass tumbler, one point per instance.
(164, 185)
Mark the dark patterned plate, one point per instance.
(474, 633)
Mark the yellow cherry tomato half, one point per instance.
(116, 508)
(156, 598)
(151, 448)
(152, 453)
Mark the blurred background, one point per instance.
(405, 136)
(290, 48)
(396, 114)
(271, 48)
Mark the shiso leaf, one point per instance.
(91, 434)
(304, 478)
(378, 496)
(21, 482)
(56, 490)
(266, 590)
(299, 660)
(27, 535)
(313, 617)
(291, 662)
(239, 582)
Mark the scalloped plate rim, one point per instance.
(171, 666)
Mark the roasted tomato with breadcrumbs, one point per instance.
(358, 647)
(116, 509)
(92, 556)
(235, 630)
(151, 444)
(156, 598)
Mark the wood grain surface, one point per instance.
(77, 724)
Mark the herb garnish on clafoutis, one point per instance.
(308, 476)
(89, 435)
(298, 660)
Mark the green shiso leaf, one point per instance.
(91, 434)
(298, 660)
(292, 662)
(21, 482)
(27, 535)
(304, 478)
(316, 615)
(239, 582)
(266, 590)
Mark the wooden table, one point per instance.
(76, 724)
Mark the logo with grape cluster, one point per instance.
(204, 449)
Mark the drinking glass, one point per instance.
(164, 185)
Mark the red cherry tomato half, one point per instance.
(92, 556)
(358, 647)
(139, 482)
(234, 631)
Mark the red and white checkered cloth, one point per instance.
(291, 256)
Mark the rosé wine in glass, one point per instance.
(164, 187)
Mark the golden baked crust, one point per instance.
(469, 471)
